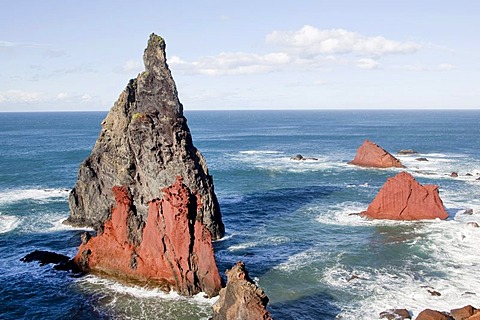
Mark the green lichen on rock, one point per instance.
(136, 116)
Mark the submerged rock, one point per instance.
(395, 314)
(175, 251)
(144, 144)
(370, 154)
(407, 152)
(241, 298)
(299, 157)
(403, 198)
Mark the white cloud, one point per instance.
(312, 41)
(62, 95)
(367, 63)
(309, 48)
(19, 96)
(422, 67)
(446, 67)
(233, 63)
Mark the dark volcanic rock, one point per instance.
(421, 159)
(175, 251)
(241, 298)
(407, 152)
(370, 154)
(144, 144)
(60, 261)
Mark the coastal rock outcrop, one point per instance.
(241, 298)
(370, 154)
(144, 144)
(175, 250)
(403, 198)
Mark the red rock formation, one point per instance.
(175, 252)
(463, 313)
(370, 154)
(403, 198)
(241, 298)
(429, 314)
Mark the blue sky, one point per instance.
(79, 55)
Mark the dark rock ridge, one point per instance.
(59, 261)
(175, 251)
(372, 155)
(403, 198)
(241, 298)
(144, 144)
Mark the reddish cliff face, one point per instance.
(176, 249)
(241, 298)
(370, 154)
(403, 198)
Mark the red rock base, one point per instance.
(176, 249)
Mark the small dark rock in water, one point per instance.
(454, 174)
(434, 293)
(421, 159)
(60, 261)
(472, 224)
(407, 151)
(45, 257)
(395, 314)
(469, 175)
(468, 211)
(299, 157)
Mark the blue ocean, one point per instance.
(290, 221)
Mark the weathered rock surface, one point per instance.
(429, 314)
(395, 314)
(370, 154)
(463, 313)
(175, 250)
(403, 198)
(143, 145)
(241, 298)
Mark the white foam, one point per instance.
(143, 292)
(15, 195)
(8, 223)
(451, 270)
(59, 225)
(278, 161)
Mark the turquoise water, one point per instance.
(288, 221)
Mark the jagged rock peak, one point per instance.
(241, 298)
(144, 144)
(403, 198)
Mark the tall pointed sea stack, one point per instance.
(144, 144)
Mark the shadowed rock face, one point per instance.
(403, 198)
(175, 251)
(370, 154)
(241, 298)
(144, 144)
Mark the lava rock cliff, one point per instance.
(144, 144)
